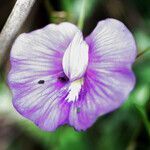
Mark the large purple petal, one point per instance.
(109, 77)
(36, 71)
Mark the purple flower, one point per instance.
(57, 77)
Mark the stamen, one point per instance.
(41, 82)
(74, 90)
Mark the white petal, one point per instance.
(75, 59)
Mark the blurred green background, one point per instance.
(127, 128)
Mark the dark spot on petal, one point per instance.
(63, 79)
(78, 109)
(41, 82)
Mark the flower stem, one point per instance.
(144, 118)
(82, 14)
(49, 8)
(13, 25)
(143, 52)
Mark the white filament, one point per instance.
(74, 90)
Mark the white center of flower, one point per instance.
(74, 90)
(75, 59)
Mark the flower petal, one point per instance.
(109, 77)
(100, 94)
(36, 69)
(110, 42)
(75, 59)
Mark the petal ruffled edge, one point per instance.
(112, 37)
(23, 57)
